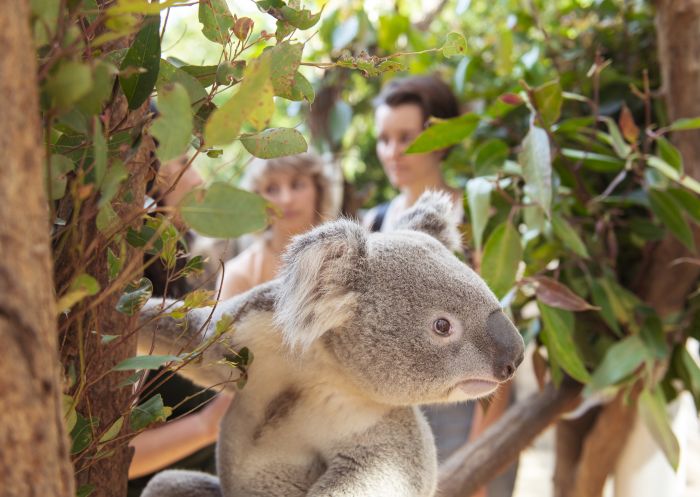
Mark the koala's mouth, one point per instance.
(477, 388)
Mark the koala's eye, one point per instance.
(442, 327)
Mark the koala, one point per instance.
(358, 330)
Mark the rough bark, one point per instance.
(478, 462)
(34, 457)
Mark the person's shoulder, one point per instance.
(238, 272)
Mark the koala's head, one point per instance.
(400, 315)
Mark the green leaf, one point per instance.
(689, 202)
(70, 416)
(622, 149)
(620, 361)
(563, 230)
(444, 133)
(536, 161)
(504, 52)
(224, 211)
(107, 219)
(455, 45)
(168, 73)
(68, 83)
(670, 154)
(275, 142)
(149, 412)
(285, 59)
(230, 72)
(502, 255)
(685, 124)
(548, 100)
(144, 55)
(173, 127)
(261, 114)
(81, 435)
(112, 181)
(490, 156)
(688, 371)
(216, 20)
(82, 286)
(99, 146)
(559, 329)
(224, 124)
(652, 409)
(113, 430)
(206, 75)
(600, 299)
(84, 490)
(55, 173)
(103, 76)
(145, 362)
(596, 162)
(105, 339)
(302, 89)
(135, 296)
(668, 211)
(301, 19)
(479, 198)
(141, 6)
(664, 168)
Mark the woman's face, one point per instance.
(396, 128)
(294, 195)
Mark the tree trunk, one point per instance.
(34, 456)
(476, 463)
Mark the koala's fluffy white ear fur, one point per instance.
(433, 214)
(319, 278)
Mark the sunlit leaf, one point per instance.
(285, 59)
(135, 296)
(444, 134)
(596, 162)
(113, 430)
(173, 127)
(70, 416)
(479, 198)
(82, 286)
(216, 20)
(223, 211)
(548, 100)
(685, 124)
(536, 161)
(206, 75)
(629, 129)
(652, 409)
(169, 74)
(302, 89)
(224, 124)
(144, 55)
(502, 255)
(275, 142)
(149, 412)
(622, 149)
(559, 329)
(229, 72)
(261, 114)
(145, 362)
(455, 45)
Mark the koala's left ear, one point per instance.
(319, 281)
(433, 214)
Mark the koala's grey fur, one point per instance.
(345, 350)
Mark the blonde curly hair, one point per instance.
(308, 164)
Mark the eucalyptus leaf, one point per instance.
(596, 162)
(55, 172)
(82, 286)
(444, 134)
(689, 202)
(685, 124)
(670, 154)
(548, 100)
(652, 409)
(144, 57)
(285, 59)
(479, 198)
(113, 430)
(261, 114)
(455, 45)
(620, 361)
(145, 362)
(169, 74)
(502, 255)
(68, 83)
(622, 149)
(135, 296)
(223, 211)
(556, 294)
(206, 75)
(216, 20)
(84, 490)
(536, 161)
(669, 212)
(111, 182)
(275, 142)
(81, 434)
(563, 230)
(151, 411)
(173, 127)
(559, 330)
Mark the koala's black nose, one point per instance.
(508, 346)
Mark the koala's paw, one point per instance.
(433, 214)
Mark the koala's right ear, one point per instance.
(319, 280)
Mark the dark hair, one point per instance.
(430, 93)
